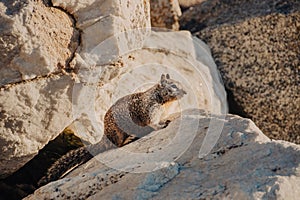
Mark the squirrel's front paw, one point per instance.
(164, 124)
(129, 139)
(161, 125)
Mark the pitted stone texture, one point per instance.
(32, 43)
(165, 14)
(261, 68)
(256, 47)
(244, 164)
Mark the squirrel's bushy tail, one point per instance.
(74, 158)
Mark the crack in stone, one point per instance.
(58, 73)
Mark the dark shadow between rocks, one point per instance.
(24, 181)
(15, 6)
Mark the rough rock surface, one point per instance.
(244, 164)
(165, 14)
(36, 42)
(32, 43)
(256, 47)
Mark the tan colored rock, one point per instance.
(165, 14)
(244, 164)
(32, 43)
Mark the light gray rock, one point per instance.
(244, 164)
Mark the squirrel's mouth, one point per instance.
(180, 94)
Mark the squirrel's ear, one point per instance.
(168, 76)
(163, 79)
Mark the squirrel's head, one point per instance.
(170, 89)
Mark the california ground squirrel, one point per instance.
(130, 118)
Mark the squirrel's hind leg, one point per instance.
(130, 139)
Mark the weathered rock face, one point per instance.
(165, 14)
(32, 43)
(37, 43)
(256, 47)
(244, 164)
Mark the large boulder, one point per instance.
(171, 164)
(256, 48)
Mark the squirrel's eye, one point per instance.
(173, 86)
